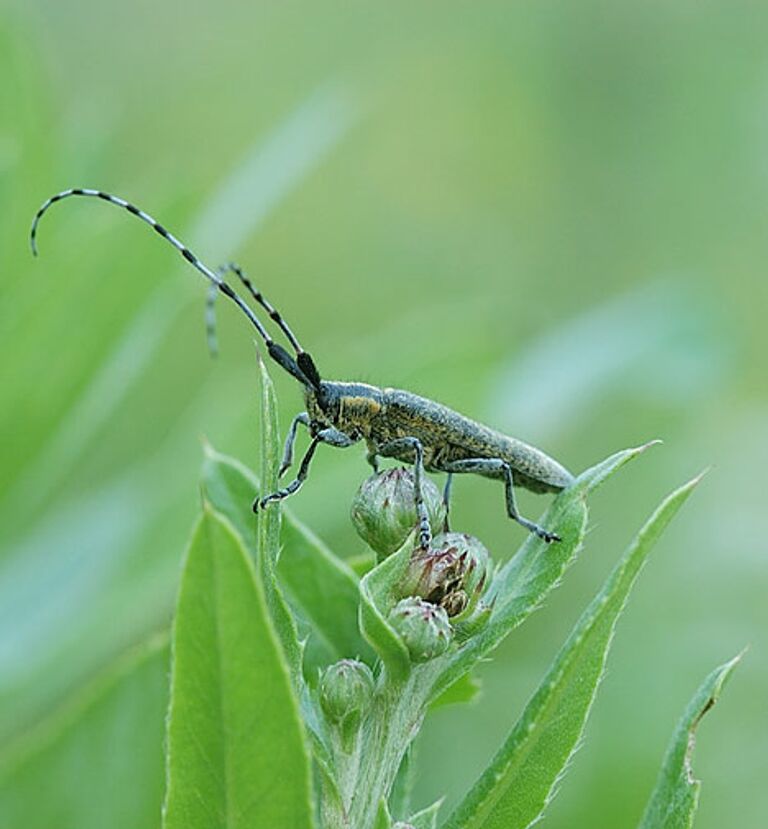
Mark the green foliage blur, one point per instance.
(551, 216)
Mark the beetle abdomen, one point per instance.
(449, 436)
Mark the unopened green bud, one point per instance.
(423, 627)
(346, 689)
(384, 509)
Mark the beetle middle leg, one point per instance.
(497, 468)
(394, 448)
(447, 501)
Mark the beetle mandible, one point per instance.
(393, 423)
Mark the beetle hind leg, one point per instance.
(497, 468)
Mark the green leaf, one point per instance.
(97, 761)
(465, 689)
(376, 600)
(319, 587)
(675, 797)
(402, 788)
(362, 563)
(268, 532)
(231, 488)
(237, 755)
(383, 819)
(269, 445)
(323, 592)
(426, 818)
(517, 785)
(523, 583)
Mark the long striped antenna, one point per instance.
(274, 314)
(302, 368)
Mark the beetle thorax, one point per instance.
(348, 407)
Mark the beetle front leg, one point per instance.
(333, 437)
(497, 468)
(290, 440)
(393, 448)
(295, 484)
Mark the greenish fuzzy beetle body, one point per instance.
(381, 416)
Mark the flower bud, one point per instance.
(451, 573)
(434, 574)
(455, 603)
(423, 627)
(384, 509)
(476, 565)
(346, 689)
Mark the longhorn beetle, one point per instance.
(393, 423)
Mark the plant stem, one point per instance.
(386, 734)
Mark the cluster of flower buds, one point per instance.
(450, 574)
(439, 594)
(384, 509)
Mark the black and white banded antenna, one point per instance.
(274, 314)
(302, 367)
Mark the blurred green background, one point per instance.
(551, 216)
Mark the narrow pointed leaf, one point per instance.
(236, 751)
(230, 487)
(402, 788)
(514, 790)
(320, 588)
(426, 818)
(383, 820)
(268, 532)
(675, 797)
(269, 446)
(324, 593)
(97, 761)
(465, 689)
(523, 583)
(361, 563)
